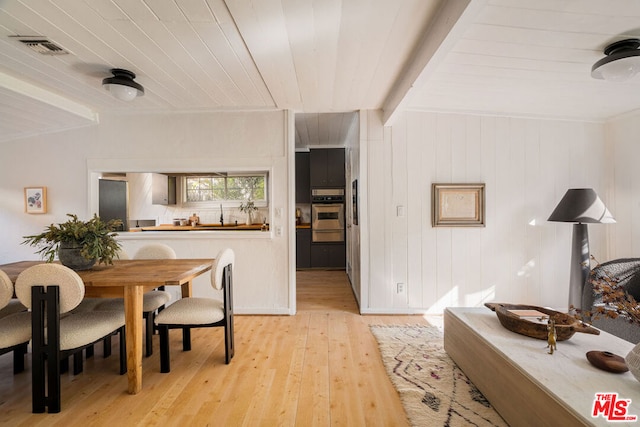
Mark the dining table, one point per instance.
(130, 279)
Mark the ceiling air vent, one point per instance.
(42, 45)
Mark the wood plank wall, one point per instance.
(527, 165)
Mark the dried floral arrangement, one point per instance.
(614, 300)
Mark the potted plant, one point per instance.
(249, 208)
(78, 244)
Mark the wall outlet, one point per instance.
(400, 287)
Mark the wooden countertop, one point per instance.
(199, 227)
(205, 227)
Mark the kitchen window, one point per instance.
(225, 187)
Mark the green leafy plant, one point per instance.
(248, 207)
(95, 236)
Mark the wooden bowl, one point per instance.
(607, 361)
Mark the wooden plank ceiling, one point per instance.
(314, 57)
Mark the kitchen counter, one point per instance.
(200, 227)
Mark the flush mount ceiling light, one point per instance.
(122, 86)
(621, 63)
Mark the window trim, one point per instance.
(228, 202)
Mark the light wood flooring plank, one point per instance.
(320, 367)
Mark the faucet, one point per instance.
(221, 216)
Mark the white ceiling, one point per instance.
(514, 57)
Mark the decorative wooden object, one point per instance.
(565, 324)
(607, 361)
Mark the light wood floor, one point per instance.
(320, 367)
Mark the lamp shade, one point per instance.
(581, 205)
(122, 86)
(622, 61)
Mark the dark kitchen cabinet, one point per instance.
(328, 255)
(326, 167)
(303, 186)
(303, 248)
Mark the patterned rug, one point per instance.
(433, 390)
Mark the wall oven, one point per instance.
(327, 215)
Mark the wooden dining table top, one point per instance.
(125, 273)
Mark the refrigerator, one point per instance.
(113, 201)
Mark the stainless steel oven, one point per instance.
(327, 215)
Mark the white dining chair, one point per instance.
(15, 325)
(194, 312)
(49, 291)
(13, 306)
(90, 304)
(152, 300)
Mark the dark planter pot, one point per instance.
(69, 255)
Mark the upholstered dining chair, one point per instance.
(193, 312)
(8, 304)
(50, 291)
(152, 300)
(15, 325)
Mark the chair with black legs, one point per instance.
(193, 312)
(152, 301)
(51, 290)
(15, 325)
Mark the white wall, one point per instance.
(65, 162)
(623, 136)
(519, 257)
(352, 170)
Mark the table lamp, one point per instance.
(580, 206)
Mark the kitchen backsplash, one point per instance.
(140, 207)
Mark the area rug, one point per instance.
(433, 390)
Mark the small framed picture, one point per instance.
(35, 200)
(457, 205)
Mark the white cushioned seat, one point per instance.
(89, 326)
(89, 304)
(15, 329)
(192, 311)
(151, 301)
(14, 306)
(15, 324)
(36, 288)
(6, 289)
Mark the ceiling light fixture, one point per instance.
(621, 63)
(122, 86)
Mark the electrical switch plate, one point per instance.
(400, 287)
(278, 231)
(400, 210)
